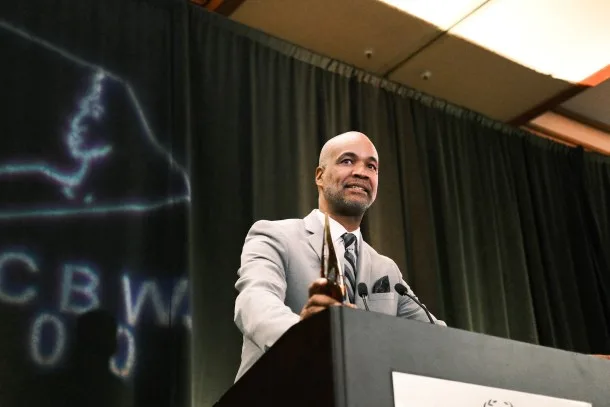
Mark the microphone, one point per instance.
(402, 290)
(363, 292)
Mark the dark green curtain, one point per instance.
(596, 190)
(567, 260)
(472, 177)
(499, 231)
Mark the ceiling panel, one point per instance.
(473, 77)
(463, 72)
(592, 105)
(568, 39)
(573, 132)
(442, 13)
(341, 29)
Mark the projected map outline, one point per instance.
(89, 106)
(147, 299)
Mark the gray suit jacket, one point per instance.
(280, 259)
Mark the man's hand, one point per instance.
(318, 302)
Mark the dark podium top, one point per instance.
(345, 358)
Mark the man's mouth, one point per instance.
(357, 188)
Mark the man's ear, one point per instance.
(319, 173)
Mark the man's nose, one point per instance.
(359, 170)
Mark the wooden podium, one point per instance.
(346, 358)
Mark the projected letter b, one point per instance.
(79, 289)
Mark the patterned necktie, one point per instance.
(349, 264)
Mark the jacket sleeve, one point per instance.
(407, 308)
(260, 312)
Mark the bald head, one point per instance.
(341, 141)
(347, 175)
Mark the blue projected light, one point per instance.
(28, 264)
(163, 302)
(89, 298)
(165, 313)
(89, 160)
(78, 143)
(89, 106)
(125, 368)
(37, 344)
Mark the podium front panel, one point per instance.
(377, 345)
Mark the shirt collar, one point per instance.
(337, 230)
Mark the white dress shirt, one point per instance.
(336, 234)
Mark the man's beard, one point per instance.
(341, 206)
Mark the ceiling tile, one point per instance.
(470, 76)
(341, 29)
(593, 105)
(568, 39)
(441, 13)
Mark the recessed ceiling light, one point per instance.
(566, 39)
(441, 13)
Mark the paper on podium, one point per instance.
(413, 390)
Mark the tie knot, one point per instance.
(349, 239)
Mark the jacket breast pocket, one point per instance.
(384, 303)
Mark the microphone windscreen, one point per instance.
(362, 290)
(401, 289)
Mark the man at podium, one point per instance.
(279, 280)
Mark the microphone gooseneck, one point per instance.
(402, 290)
(363, 292)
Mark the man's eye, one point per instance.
(373, 167)
(346, 161)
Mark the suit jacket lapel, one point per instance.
(313, 226)
(364, 264)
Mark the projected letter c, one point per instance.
(24, 295)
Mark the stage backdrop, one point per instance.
(93, 206)
(142, 138)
